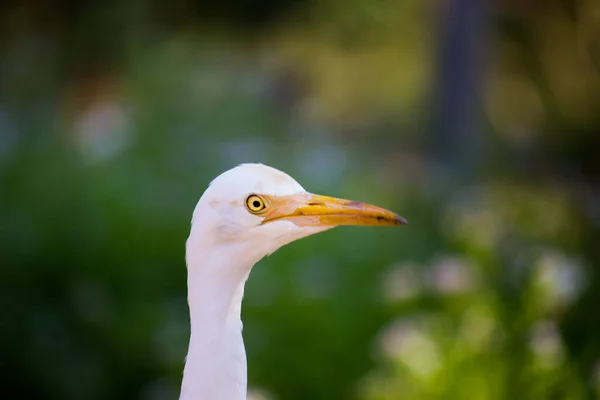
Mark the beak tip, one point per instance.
(401, 221)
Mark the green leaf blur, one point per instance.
(477, 122)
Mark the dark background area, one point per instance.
(478, 121)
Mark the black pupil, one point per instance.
(256, 203)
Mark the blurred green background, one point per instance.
(478, 121)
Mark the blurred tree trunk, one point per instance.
(457, 139)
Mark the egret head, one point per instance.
(245, 214)
(254, 209)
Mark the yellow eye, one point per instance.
(255, 204)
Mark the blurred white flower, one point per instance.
(103, 130)
(392, 337)
(255, 393)
(411, 344)
(420, 353)
(546, 344)
(560, 278)
(402, 281)
(452, 275)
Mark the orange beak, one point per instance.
(308, 209)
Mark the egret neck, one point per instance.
(215, 366)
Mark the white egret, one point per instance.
(245, 214)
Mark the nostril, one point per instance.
(315, 203)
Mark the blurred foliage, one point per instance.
(114, 116)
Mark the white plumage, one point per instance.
(245, 214)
